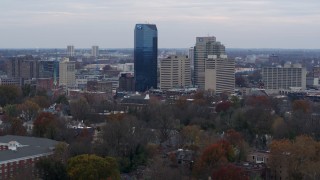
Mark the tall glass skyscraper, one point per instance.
(145, 56)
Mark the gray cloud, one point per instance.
(237, 23)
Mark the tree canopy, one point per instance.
(92, 167)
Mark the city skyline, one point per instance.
(239, 24)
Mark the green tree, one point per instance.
(235, 102)
(28, 90)
(42, 101)
(92, 167)
(11, 110)
(9, 94)
(62, 99)
(61, 152)
(51, 169)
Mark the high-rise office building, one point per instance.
(67, 73)
(219, 74)
(70, 51)
(175, 72)
(191, 57)
(204, 46)
(95, 51)
(145, 56)
(26, 67)
(48, 68)
(316, 72)
(284, 78)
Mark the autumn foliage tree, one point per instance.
(230, 172)
(29, 110)
(13, 126)
(259, 101)
(45, 125)
(223, 106)
(199, 98)
(190, 136)
(42, 101)
(238, 143)
(301, 105)
(214, 156)
(298, 159)
(92, 167)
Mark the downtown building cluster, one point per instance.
(207, 68)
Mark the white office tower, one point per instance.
(67, 73)
(70, 51)
(175, 72)
(284, 78)
(219, 74)
(204, 46)
(95, 51)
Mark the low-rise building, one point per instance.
(11, 81)
(18, 152)
(288, 77)
(136, 102)
(258, 157)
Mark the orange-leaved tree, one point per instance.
(214, 156)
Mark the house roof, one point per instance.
(30, 146)
(135, 100)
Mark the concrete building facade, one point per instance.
(191, 57)
(67, 73)
(95, 51)
(175, 72)
(204, 46)
(220, 74)
(70, 51)
(284, 78)
(26, 67)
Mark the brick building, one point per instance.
(126, 82)
(20, 152)
(45, 84)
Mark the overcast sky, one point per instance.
(110, 23)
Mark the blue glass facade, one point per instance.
(48, 68)
(145, 56)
